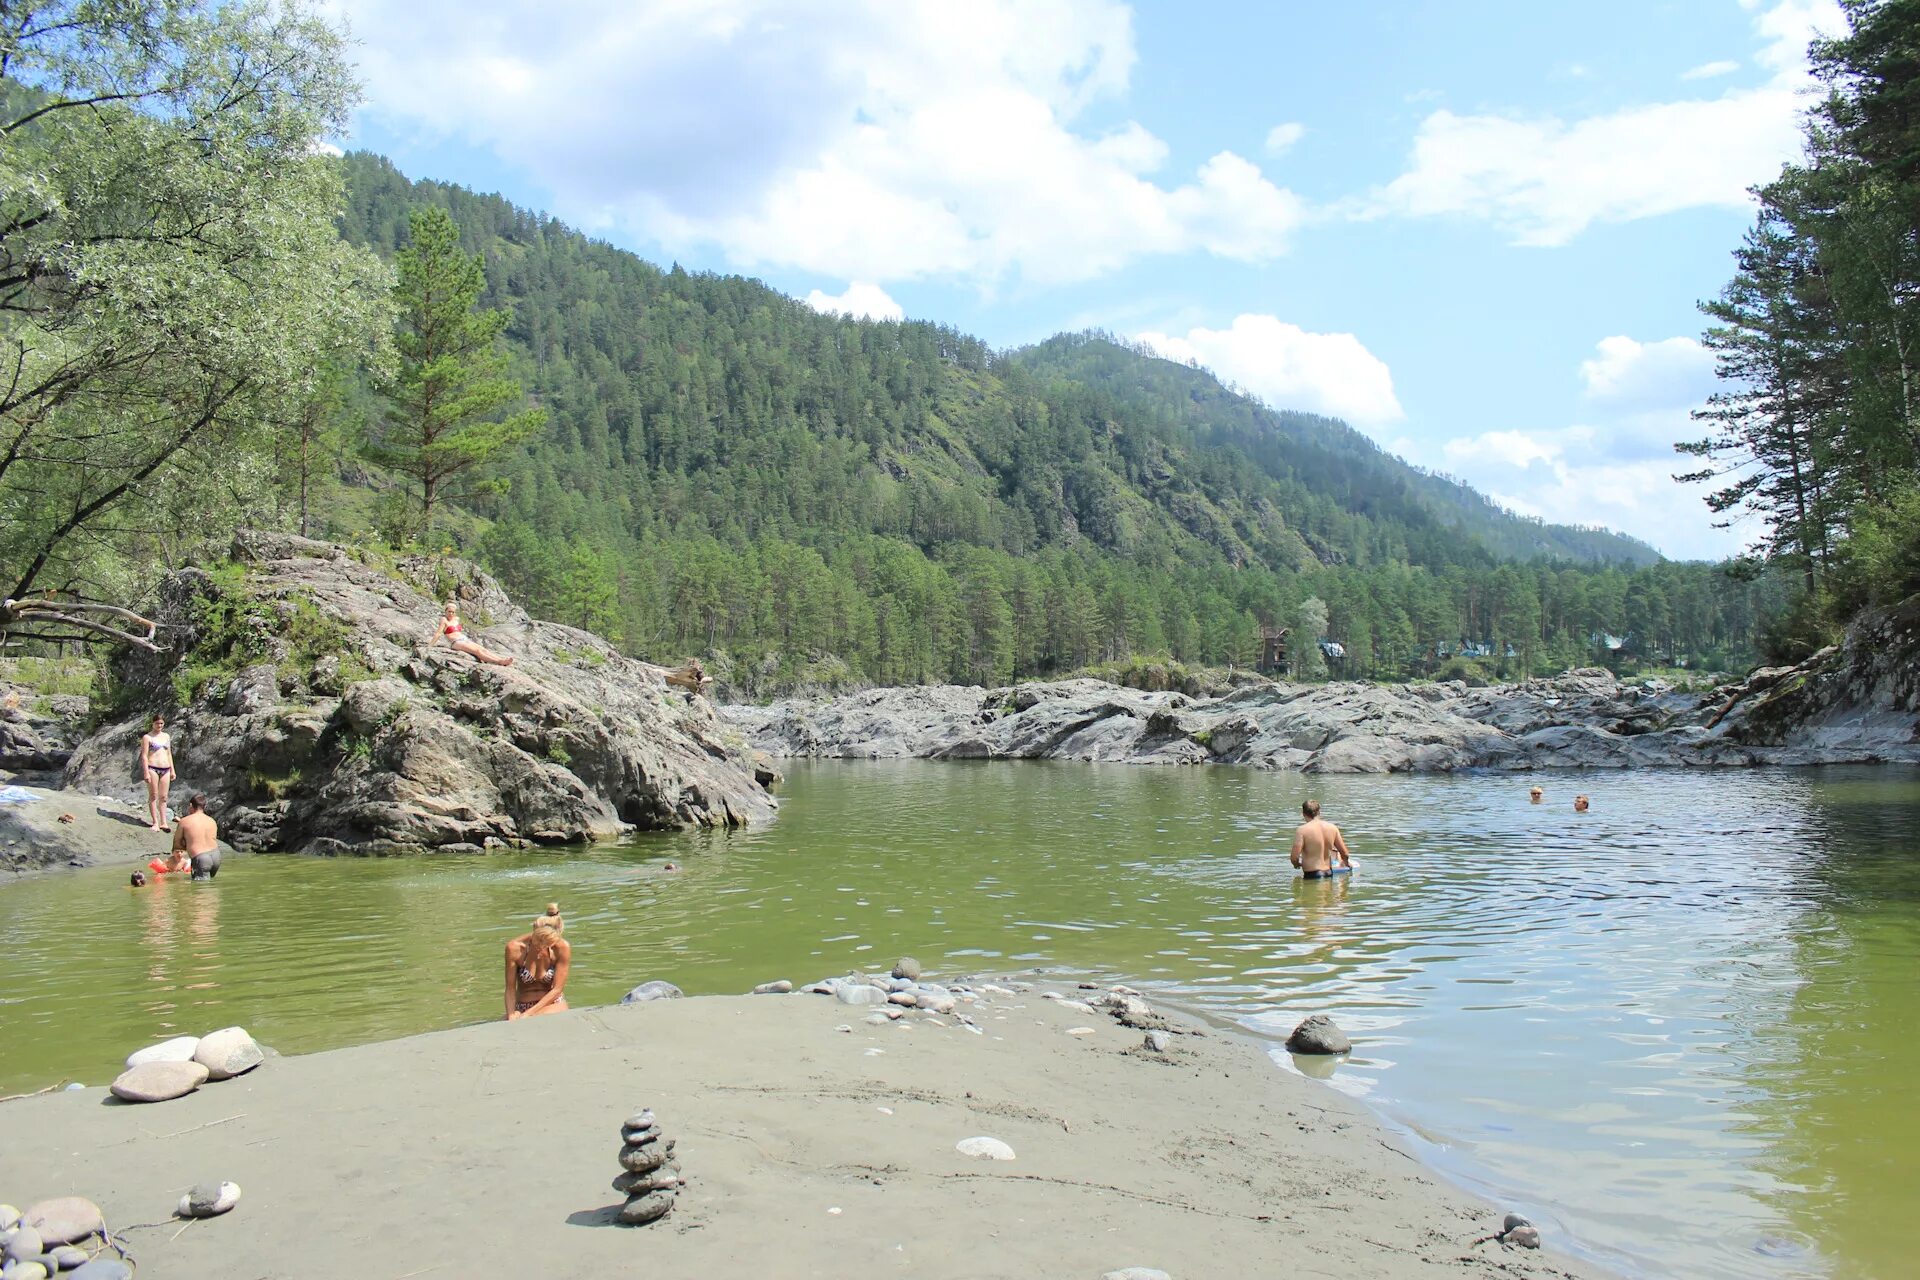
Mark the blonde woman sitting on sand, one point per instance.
(537, 963)
(450, 630)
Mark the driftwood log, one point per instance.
(53, 620)
(691, 677)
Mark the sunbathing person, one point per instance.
(454, 634)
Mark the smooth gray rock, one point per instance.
(25, 1269)
(1527, 1237)
(178, 1049)
(858, 993)
(159, 1081)
(665, 1178)
(227, 1053)
(654, 990)
(778, 987)
(66, 1257)
(641, 1210)
(102, 1269)
(984, 1148)
(643, 1119)
(25, 1243)
(209, 1200)
(1159, 1041)
(907, 967)
(9, 1217)
(64, 1219)
(1318, 1035)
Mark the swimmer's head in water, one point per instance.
(1311, 808)
(1536, 792)
(138, 880)
(1580, 804)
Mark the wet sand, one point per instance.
(815, 1145)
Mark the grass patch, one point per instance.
(52, 677)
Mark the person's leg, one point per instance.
(153, 800)
(473, 650)
(166, 789)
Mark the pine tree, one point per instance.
(449, 398)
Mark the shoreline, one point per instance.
(400, 1158)
(105, 831)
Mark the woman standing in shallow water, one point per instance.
(156, 767)
(537, 963)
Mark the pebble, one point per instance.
(778, 987)
(1078, 1006)
(25, 1243)
(24, 1270)
(984, 1148)
(900, 984)
(641, 1210)
(102, 1269)
(1136, 1273)
(645, 1159)
(64, 1220)
(859, 993)
(639, 1137)
(892, 1015)
(992, 990)
(1515, 1220)
(907, 967)
(1318, 1034)
(227, 1053)
(906, 998)
(878, 1018)
(66, 1257)
(1159, 1041)
(1526, 1237)
(639, 1184)
(9, 1217)
(178, 1049)
(654, 990)
(209, 1200)
(1079, 1031)
(159, 1081)
(640, 1120)
(936, 1001)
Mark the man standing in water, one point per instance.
(1316, 843)
(198, 836)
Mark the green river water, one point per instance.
(1671, 1028)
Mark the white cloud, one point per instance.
(861, 300)
(321, 147)
(1710, 70)
(1627, 375)
(1544, 180)
(1510, 448)
(1289, 368)
(870, 140)
(1282, 137)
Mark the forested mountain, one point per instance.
(727, 471)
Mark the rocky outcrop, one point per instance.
(38, 732)
(305, 699)
(1858, 702)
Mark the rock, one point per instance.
(64, 1220)
(778, 987)
(1159, 1041)
(159, 1081)
(934, 1001)
(646, 1159)
(859, 993)
(25, 1269)
(644, 1209)
(654, 990)
(665, 1178)
(1136, 1273)
(178, 1049)
(1515, 1220)
(208, 1200)
(66, 1257)
(639, 1120)
(9, 1217)
(1525, 1237)
(227, 1053)
(984, 1148)
(906, 999)
(24, 1243)
(1318, 1034)
(907, 967)
(102, 1269)
(639, 1137)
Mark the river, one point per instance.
(1671, 1029)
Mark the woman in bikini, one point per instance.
(537, 963)
(156, 766)
(451, 631)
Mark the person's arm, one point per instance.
(179, 837)
(562, 961)
(1340, 847)
(146, 764)
(513, 984)
(1298, 840)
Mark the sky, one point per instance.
(1477, 232)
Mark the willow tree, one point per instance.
(170, 279)
(451, 405)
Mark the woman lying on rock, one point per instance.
(450, 629)
(537, 963)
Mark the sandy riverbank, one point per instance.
(103, 832)
(816, 1144)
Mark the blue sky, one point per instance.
(1478, 231)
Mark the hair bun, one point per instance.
(553, 908)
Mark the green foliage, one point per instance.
(449, 395)
(170, 273)
(559, 754)
(51, 677)
(1880, 562)
(235, 629)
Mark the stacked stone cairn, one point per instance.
(650, 1177)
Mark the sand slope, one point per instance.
(489, 1150)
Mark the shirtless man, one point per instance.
(198, 836)
(1316, 842)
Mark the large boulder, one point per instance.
(159, 1081)
(227, 1053)
(336, 725)
(64, 1220)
